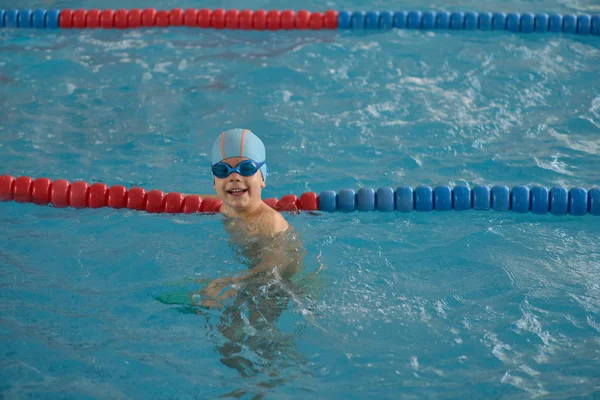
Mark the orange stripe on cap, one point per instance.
(242, 142)
(223, 145)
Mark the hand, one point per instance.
(213, 292)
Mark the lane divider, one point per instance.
(521, 199)
(583, 24)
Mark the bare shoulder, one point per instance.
(272, 222)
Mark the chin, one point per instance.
(239, 203)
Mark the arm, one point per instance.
(271, 261)
(278, 261)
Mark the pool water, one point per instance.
(97, 303)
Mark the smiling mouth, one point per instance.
(237, 192)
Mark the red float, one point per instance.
(155, 201)
(40, 193)
(232, 19)
(273, 20)
(65, 20)
(117, 197)
(174, 203)
(6, 187)
(122, 19)
(149, 17)
(316, 21)
(136, 199)
(288, 19)
(309, 201)
(79, 17)
(302, 19)
(192, 204)
(211, 205)
(92, 19)
(107, 19)
(190, 18)
(246, 19)
(289, 202)
(98, 196)
(330, 20)
(259, 21)
(204, 18)
(176, 17)
(162, 18)
(78, 196)
(217, 18)
(134, 19)
(22, 189)
(59, 193)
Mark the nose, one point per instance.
(235, 177)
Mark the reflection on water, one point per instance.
(254, 345)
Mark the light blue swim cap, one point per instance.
(240, 143)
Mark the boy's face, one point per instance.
(237, 191)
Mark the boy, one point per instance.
(261, 233)
(238, 156)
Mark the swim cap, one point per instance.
(240, 143)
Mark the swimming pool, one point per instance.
(95, 302)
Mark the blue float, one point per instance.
(578, 201)
(372, 20)
(385, 199)
(344, 19)
(442, 20)
(559, 201)
(556, 23)
(501, 198)
(11, 19)
(461, 197)
(414, 20)
(499, 21)
(442, 198)
(541, 22)
(39, 19)
(513, 22)
(540, 200)
(400, 19)
(570, 23)
(485, 21)
(386, 20)
(365, 199)
(428, 20)
(482, 198)
(52, 17)
(527, 23)
(596, 25)
(584, 24)
(520, 199)
(328, 201)
(405, 199)
(358, 20)
(423, 198)
(471, 19)
(456, 20)
(346, 200)
(25, 18)
(594, 201)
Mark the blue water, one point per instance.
(96, 303)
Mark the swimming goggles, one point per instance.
(245, 168)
